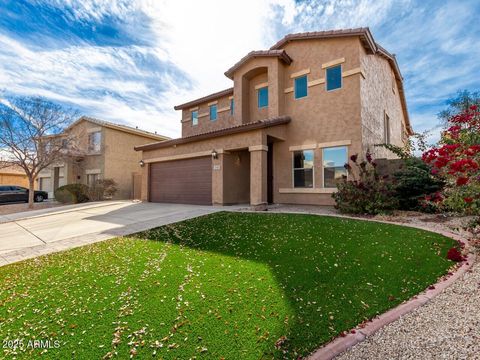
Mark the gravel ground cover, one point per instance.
(6, 209)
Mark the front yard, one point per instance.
(219, 286)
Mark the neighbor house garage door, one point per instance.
(186, 181)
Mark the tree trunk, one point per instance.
(31, 192)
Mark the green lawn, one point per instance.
(219, 286)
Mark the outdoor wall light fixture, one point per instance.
(214, 154)
(142, 163)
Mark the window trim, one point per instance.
(91, 149)
(294, 168)
(295, 87)
(323, 167)
(210, 112)
(386, 129)
(258, 97)
(191, 117)
(341, 77)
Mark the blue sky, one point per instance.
(132, 61)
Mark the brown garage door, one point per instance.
(186, 181)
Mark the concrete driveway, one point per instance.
(36, 233)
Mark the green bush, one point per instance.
(72, 194)
(413, 183)
(365, 192)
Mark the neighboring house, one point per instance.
(103, 150)
(284, 131)
(13, 175)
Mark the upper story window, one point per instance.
(386, 129)
(301, 87)
(194, 117)
(94, 141)
(232, 105)
(334, 77)
(262, 95)
(334, 160)
(303, 169)
(213, 112)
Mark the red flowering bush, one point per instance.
(457, 161)
(364, 192)
(454, 254)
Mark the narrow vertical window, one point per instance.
(194, 118)
(386, 129)
(213, 112)
(334, 77)
(303, 169)
(262, 97)
(334, 160)
(232, 106)
(301, 87)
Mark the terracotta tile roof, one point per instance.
(364, 34)
(261, 124)
(213, 96)
(281, 54)
(120, 127)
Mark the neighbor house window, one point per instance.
(303, 169)
(94, 141)
(213, 112)
(92, 179)
(386, 129)
(194, 117)
(263, 97)
(334, 77)
(232, 105)
(334, 160)
(301, 87)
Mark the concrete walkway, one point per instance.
(35, 233)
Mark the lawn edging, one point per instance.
(342, 343)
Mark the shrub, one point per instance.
(72, 194)
(413, 183)
(454, 254)
(102, 190)
(365, 192)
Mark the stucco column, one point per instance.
(258, 176)
(217, 179)
(145, 178)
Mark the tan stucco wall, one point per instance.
(236, 177)
(121, 161)
(380, 95)
(224, 118)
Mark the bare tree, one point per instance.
(33, 136)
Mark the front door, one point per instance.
(270, 173)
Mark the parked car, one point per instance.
(12, 193)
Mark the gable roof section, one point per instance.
(260, 124)
(213, 96)
(280, 54)
(119, 127)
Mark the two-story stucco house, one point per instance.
(103, 150)
(284, 131)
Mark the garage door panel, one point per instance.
(186, 181)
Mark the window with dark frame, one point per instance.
(301, 87)
(194, 118)
(334, 160)
(334, 77)
(303, 169)
(213, 112)
(262, 95)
